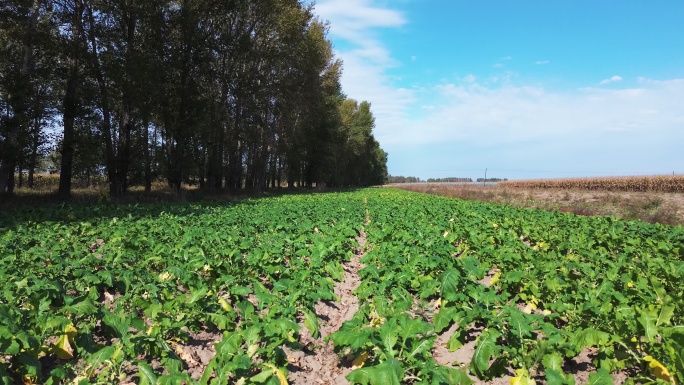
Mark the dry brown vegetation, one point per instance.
(656, 183)
(653, 207)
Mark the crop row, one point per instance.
(534, 289)
(111, 294)
(115, 294)
(663, 183)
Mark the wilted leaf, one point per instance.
(658, 370)
(360, 360)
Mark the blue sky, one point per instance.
(527, 89)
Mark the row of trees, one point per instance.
(233, 94)
(403, 179)
(450, 179)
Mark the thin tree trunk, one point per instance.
(146, 153)
(110, 155)
(35, 143)
(70, 104)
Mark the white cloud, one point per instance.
(472, 124)
(612, 79)
(542, 62)
(366, 59)
(473, 113)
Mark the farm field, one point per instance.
(446, 292)
(647, 206)
(656, 183)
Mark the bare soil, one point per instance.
(652, 207)
(317, 363)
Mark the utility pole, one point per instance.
(484, 183)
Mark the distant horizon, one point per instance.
(537, 178)
(545, 89)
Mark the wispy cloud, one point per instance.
(612, 79)
(366, 58)
(474, 111)
(542, 62)
(471, 123)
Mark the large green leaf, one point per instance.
(553, 367)
(601, 377)
(389, 334)
(444, 318)
(648, 319)
(450, 284)
(485, 349)
(386, 373)
(590, 337)
(146, 374)
(444, 375)
(311, 323)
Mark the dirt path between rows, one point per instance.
(318, 364)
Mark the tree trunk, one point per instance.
(146, 153)
(35, 143)
(110, 155)
(70, 105)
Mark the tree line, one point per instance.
(230, 94)
(403, 179)
(450, 179)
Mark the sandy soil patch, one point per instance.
(317, 363)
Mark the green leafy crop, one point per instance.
(98, 294)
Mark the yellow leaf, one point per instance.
(377, 321)
(62, 348)
(282, 379)
(495, 278)
(522, 377)
(360, 361)
(180, 352)
(252, 349)
(224, 304)
(438, 304)
(659, 370)
(70, 331)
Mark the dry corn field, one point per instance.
(662, 183)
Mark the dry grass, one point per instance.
(161, 192)
(655, 183)
(652, 207)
